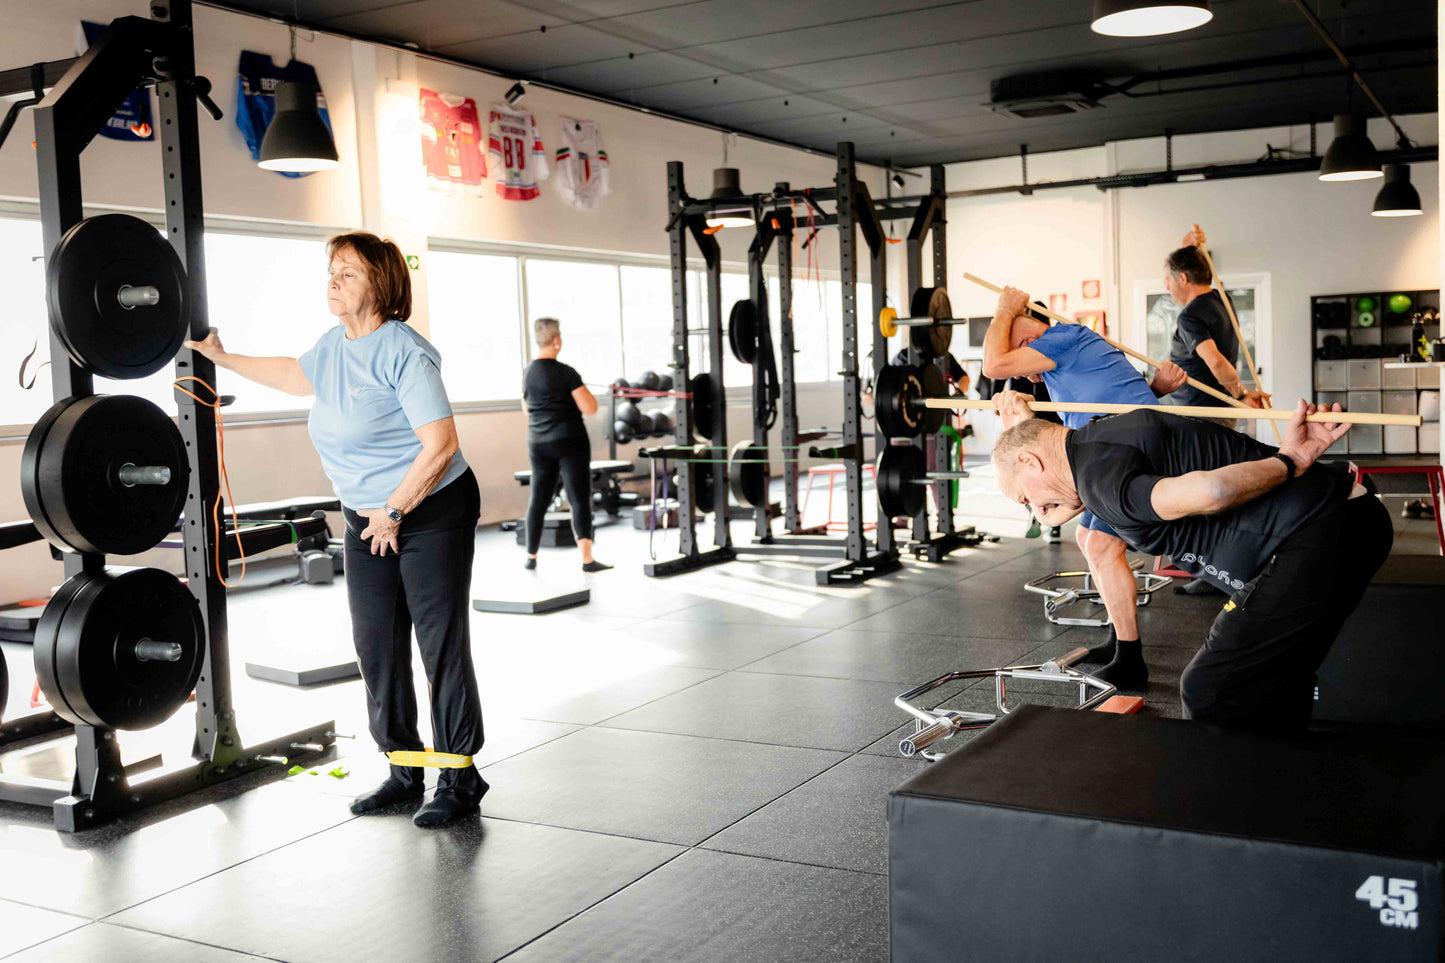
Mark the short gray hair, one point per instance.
(1021, 437)
(546, 331)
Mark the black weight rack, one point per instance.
(853, 211)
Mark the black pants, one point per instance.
(1257, 667)
(426, 585)
(571, 458)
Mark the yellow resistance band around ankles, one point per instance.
(429, 758)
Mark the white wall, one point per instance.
(1310, 237)
(372, 189)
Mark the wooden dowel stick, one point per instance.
(1235, 402)
(1191, 411)
(1238, 332)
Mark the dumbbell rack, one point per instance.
(134, 52)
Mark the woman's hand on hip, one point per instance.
(381, 530)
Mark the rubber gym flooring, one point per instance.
(687, 769)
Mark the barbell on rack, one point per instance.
(902, 404)
(902, 474)
(747, 467)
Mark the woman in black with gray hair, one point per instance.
(557, 442)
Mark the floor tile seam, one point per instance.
(47, 909)
(108, 917)
(812, 638)
(666, 695)
(971, 636)
(186, 939)
(746, 742)
(589, 907)
(835, 678)
(765, 805)
(660, 866)
(81, 923)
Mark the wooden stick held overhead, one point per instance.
(1191, 411)
(1238, 332)
(1235, 402)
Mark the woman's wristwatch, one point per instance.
(395, 514)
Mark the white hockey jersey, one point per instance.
(582, 167)
(517, 152)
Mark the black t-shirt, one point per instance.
(1117, 460)
(552, 414)
(1203, 319)
(955, 370)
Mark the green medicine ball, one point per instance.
(1365, 304)
(1400, 303)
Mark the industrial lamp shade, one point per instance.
(1148, 18)
(727, 184)
(1351, 156)
(297, 138)
(1398, 198)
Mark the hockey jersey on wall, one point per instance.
(133, 120)
(451, 138)
(518, 159)
(582, 168)
(256, 98)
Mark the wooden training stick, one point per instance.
(1124, 348)
(1191, 411)
(1238, 332)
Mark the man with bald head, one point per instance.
(1294, 542)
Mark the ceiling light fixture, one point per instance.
(1398, 198)
(297, 139)
(1351, 155)
(727, 185)
(1148, 18)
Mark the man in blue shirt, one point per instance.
(1076, 364)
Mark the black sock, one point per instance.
(1127, 670)
(405, 782)
(1104, 652)
(530, 564)
(595, 566)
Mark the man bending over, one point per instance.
(1294, 542)
(1076, 364)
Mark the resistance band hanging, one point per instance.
(767, 389)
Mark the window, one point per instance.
(647, 319)
(24, 321)
(266, 296)
(585, 298)
(1161, 315)
(476, 324)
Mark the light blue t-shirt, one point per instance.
(371, 396)
(1088, 368)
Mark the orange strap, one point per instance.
(225, 480)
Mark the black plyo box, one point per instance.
(1066, 835)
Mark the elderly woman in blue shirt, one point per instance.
(383, 427)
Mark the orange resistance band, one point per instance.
(225, 480)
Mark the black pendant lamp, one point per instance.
(1351, 155)
(1398, 198)
(1148, 18)
(726, 185)
(297, 139)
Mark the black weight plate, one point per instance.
(704, 405)
(4, 684)
(931, 303)
(896, 392)
(92, 263)
(748, 474)
(46, 631)
(30, 471)
(91, 645)
(919, 301)
(898, 468)
(935, 385)
(704, 490)
(76, 484)
(743, 330)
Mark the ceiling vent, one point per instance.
(1049, 94)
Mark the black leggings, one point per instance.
(571, 458)
(427, 585)
(1257, 667)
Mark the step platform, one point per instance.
(530, 594)
(1063, 835)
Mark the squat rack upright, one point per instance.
(853, 211)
